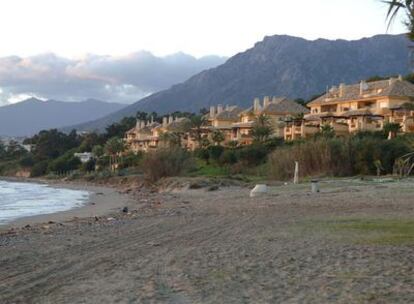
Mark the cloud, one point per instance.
(117, 79)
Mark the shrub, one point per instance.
(39, 169)
(228, 157)
(253, 155)
(337, 157)
(65, 163)
(215, 152)
(166, 162)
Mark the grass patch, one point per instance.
(370, 231)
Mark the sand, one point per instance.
(200, 246)
(102, 201)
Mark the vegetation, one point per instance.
(407, 6)
(166, 162)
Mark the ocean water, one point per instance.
(19, 200)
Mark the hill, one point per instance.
(32, 115)
(277, 66)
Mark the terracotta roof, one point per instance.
(283, 105)
(230, 114)
(394, 87)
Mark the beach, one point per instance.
(218, 245)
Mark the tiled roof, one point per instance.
(283, 105)
(394, 87)
(230, 114)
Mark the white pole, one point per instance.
(296, 177)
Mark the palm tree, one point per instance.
(395, 7)
(262, 128)
(327, 131)
(195, 127)
(217, 136)
(113, 147)
(391, 129)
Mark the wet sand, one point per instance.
(102, 201)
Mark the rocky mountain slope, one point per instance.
(32, 115)
(278, 66)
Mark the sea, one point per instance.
(18, 200)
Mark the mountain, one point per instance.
(32, 115)
(278, 66)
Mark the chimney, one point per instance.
(256, 104)
(362, 87)
(219, 109)
(400, 78)
(142, 123)
(164, 121)
(137, 124)
(391, 81)
(266, 101)
(152, 119)
(227, 108)
(342, 90)
(170, 119)
(212, 111)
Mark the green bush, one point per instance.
(39, 169)
(64, 163)
(215, 152)
(229, 157)
(253, 155)
(166, 162)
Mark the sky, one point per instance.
(63, 34)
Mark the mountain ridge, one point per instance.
(279, 65)
(32, 115)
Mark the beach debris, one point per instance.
(51, 222)
(46, 227)
(154, 244)
(96, 218)
(258, 190)
(27, 226)
(213, 188)
(125, 210)
(110, 219)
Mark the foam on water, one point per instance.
(19, 200)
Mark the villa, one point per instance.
(234, 122)
(366, 106)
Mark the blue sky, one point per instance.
(224, 27)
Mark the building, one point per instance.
(366, 106)
(148, 135)
(234, 122)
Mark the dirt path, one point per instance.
(218, 247)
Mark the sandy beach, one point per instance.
(350, 243)
(102, 201)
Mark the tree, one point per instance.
(391, 129)
(171, 139)
(195, 127)
(395, 7)
(113, 147)
(327, 131)
(262, 128)
(217, 136)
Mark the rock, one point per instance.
(125, 210)
(45, 227)
(258, 190)
(27, 226)
(110, 219)
(51, 222)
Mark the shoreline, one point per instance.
(102, 201)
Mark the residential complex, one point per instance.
(235, 124)
(366, 106)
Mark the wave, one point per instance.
(19, 200)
